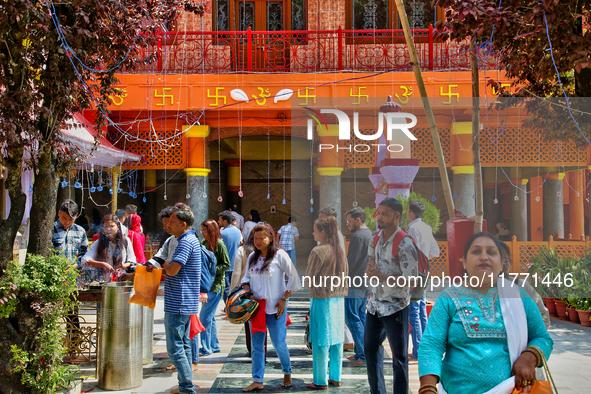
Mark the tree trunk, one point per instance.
(9, 226)
(44, 200)
(475, 138)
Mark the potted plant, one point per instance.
(584, 311)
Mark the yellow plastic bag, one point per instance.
(146, 286)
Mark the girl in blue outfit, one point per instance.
(327, 304)
(485, 337)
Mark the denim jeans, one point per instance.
(178, 346)
(292, 255)
(418, 323)
(227, 288)
(209, 337)
(278, 332)
(395, 327)
(355, 304)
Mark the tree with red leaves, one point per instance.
(57, 59)
(544, 47)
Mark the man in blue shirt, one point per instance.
(69, 238)
(286, 237)
(181, 294)
(232, 237)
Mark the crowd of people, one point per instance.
(493, 332)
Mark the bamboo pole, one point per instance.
(427, 105)
(476, 138)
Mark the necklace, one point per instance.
(493, 303)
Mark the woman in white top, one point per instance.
(112, 253)
(265, 276)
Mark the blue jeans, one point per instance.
(227, 288)
(355, 304)
(418, 323)
(178, 346)
(278, 332)
(395, 327)
(292, 255)
(209, 337)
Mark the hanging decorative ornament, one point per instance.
(268, 196)
(110, 191)
(516, 198)
(495, 201)
(558, 194)
(64, 184)
(283, 201)
(240, 194)
(311, 209)
(93, 189)
(355, 203)
(538, 198)
(578, 194)
(455, 196)
(204, 195)
(77, 185)
(220, 199)
(164, 198)
(100, 188)
(119, 190)
(312, 201)
(188, 196)
(433, 198)
(144, 199)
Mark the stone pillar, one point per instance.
(462, 167)
(575, 203)
(553, 206)
(150, 206)
(197, 172)
(464, 189)
(233, 167)
(518, 226)
(115, 173)
(331, 167)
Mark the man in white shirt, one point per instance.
(423, 236)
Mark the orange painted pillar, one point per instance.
(536, 209)
(197, 171)
(462, 167)
(576, 208)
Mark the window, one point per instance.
(275, 15)
(381, 14)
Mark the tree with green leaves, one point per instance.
(544, 46)
(57, 59)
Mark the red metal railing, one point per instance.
(306, 51)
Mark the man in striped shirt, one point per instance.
(181, 294)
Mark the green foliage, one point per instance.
(431, 215)
(552, 272)
(46, 286)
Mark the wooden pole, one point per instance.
(476, 139)
(427, 105)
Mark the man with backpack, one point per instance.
(423, 236)
(392, 255)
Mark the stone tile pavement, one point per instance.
(230, 370)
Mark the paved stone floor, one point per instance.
(230, 370)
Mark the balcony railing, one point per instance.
(306, 52)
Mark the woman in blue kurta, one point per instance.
(478, 337)
(327, 304)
